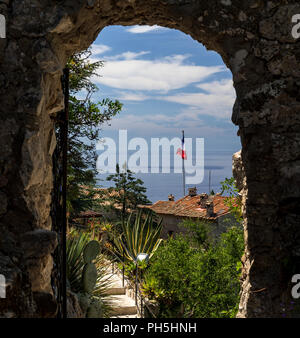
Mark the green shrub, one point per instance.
(198, 231)
(196, 283)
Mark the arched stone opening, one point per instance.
(255, 41)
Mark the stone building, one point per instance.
(211, 209)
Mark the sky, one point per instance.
(167, 83)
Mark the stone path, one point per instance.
(123, 305)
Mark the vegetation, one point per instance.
(196, 275)
(196, 282)
(139, 236)
(87, 275)
(198, 232)
(128, 191)
(85, 119)
(233, 201)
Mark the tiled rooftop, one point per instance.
(104, 195)
(189, 206)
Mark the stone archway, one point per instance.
(255, 41)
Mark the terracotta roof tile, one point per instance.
(189, 206)
(160, 207)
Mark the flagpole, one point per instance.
(183, 168)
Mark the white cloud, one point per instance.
(191, 117)
(137, 80)
(126, 56)
(132, 96)
(223, 87)
(217, 101)
(163, 125)
(99, 49)
(162, 75)
(143, 29)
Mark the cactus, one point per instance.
(92, 308)
(89, 277)
(82, 274)
(95, 310)
(91, 251)
(84, 301)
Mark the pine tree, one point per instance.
(128, 192)
(85, 118)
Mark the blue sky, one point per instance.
(167, 82)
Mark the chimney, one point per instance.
(203, 200)
(210, 209)
(192, 192)
(171, 198)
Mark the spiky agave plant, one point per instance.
(140, 236)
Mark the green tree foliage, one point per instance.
(198, 232)
(216, 277)
(196, 282)
(85, 118)
(232, 200)
(128, 191)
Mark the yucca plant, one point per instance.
(75, 245)
(140, 236)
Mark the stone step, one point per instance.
(116, 287)
(122, 305)
(115, 291)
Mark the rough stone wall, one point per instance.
(253, 37)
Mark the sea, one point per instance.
(218, 166)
